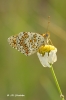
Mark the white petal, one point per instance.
(43, 59)
(52, 56)
(47, 59)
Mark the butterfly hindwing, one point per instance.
(26, 42)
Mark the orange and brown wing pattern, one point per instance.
(26, 42)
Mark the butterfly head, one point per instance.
(46, 37)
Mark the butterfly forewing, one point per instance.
(26, 42)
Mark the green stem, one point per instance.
(57, 84)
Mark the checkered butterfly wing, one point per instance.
(26, 42)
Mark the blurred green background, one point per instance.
(25, 75)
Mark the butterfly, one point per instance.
(28, 42)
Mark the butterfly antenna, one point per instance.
(48, 23)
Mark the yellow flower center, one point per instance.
(45, 48)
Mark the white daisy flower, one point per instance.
(47, 55)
